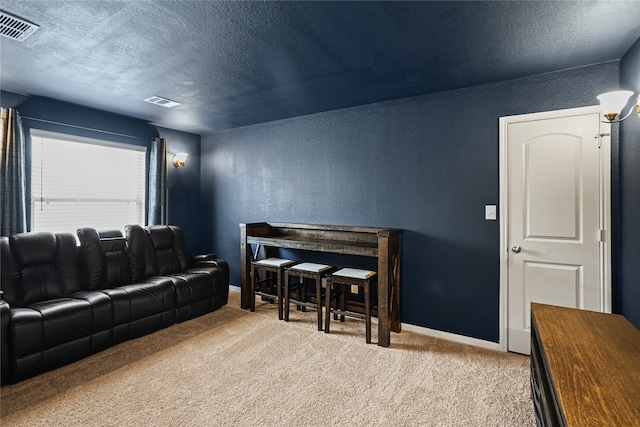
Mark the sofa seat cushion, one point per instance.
(217, 274)
(192, 286)
(148, 297)
(46, 324)
(101, 309)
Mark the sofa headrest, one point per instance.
(141, 253)
(161, 236)
(34, 248)
(112, 244)
(92, 255)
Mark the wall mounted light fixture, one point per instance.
(612, 104)
(179, 159)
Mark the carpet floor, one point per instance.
(237, 368)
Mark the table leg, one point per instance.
(245, 265)
(384, 332)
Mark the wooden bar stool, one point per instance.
(273, 268)
(306, 270)
(349, 277)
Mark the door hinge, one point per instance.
(602, 236)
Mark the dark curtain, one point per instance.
(157, 213)
(12, 169)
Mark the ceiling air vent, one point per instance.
(15, 28)
(163, 102)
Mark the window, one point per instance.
(80, 182)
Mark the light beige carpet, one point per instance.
(236, 368)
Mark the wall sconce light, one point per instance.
(613, 102)
(179, 159)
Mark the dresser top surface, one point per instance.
(594, 362)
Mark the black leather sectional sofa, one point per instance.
(63, 301)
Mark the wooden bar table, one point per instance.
(381, 243)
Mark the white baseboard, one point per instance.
(452, 337)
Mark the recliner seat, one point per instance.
(53, 320)
(199, 282)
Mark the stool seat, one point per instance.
(341, 279)
(354, 273)
(305, 270)
(309, 267)
(274, 262)
(271, 267)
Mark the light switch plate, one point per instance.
(490, 212)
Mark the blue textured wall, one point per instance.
(427, 165)
(184, 187)
(628, 302)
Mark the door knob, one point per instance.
(516, 249)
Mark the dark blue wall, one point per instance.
(427, 165)
(57, 116)
(629, 286)
(184, 188)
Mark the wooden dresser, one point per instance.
(585, 368)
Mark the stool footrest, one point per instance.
(302, 303)
(267, 295)
(348, 313)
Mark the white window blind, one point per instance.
(80, 182)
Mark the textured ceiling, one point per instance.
(232, 64)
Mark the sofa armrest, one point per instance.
(211, 260)
(5, 354)
(224, 268)
(203, 257)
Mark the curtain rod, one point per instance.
(83, 127)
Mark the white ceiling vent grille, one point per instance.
(15, 28)
(163, 102)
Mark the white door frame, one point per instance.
(605, 210)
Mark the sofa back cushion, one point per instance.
(105, 258)
(180, 246)
(156, 250)
(117, 265)
(142, 257)
(170, 248)
(45, 267)
(92, 258)
(8, 273)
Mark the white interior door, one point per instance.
(556, 177)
